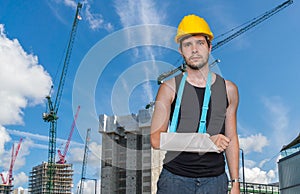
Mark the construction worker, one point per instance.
(190, 172)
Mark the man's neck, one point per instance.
(197, 77)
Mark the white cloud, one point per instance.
(70, 3)
(131, 13)
(147, 86)
(278, 111)
(250, 163)
(254, 143)
(4, 138)
(94, 154)
(20, 160)
(24, 151)
(28, 135)
(277, 116)
(20, 179)
(5, 160)
(254, 172)
(95, 20)
(23, 81)
(256, 175)
(40, 138)
(75, 155)
(261, 164)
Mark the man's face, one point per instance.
(195, 51)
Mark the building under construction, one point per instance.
(6, 189)
(62, 179)
(129, 165)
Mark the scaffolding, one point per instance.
(62, 180)
(5, 189)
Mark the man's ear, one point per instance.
(179, 50)
(210, 47)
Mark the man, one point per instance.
(190, 172)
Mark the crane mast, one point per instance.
(85, 157)
(51, 116)
(255, 22)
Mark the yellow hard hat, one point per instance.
(192, 24)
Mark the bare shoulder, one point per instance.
(167, 90)
(231, 86)
(232, 92)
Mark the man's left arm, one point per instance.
(232, 151)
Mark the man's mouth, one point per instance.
(195, 58)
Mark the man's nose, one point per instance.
(194, 49)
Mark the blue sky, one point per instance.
(121, 47)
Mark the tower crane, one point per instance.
(51, 116)
(85, 157)
(252, 24)
(62, 156)
(9, 178)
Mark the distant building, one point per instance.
(129, 164)
(289, 168)
(63, 179)
(20, 190)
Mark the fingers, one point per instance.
(223, 145)
(220, 141)
(223, 142)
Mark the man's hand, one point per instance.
(220, 141)
(235, 189)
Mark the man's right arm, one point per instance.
(161, 114)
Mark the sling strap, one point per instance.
(174, 122)
(202, 126)
(207, 94)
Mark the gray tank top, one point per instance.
(192, 164)
(192, 101)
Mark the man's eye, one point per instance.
(187, 44)
(201, 42)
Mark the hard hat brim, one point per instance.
(181, 37)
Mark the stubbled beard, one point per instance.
(199, 66)
(196, 66)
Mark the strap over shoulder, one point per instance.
(202, 126)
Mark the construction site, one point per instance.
(51, 176)
(62, 180)
(128, 163)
